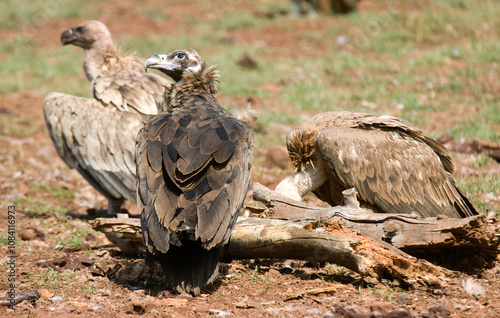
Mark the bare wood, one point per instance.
(122, 232)
(401, 230)
(255, 237)
(30, 295)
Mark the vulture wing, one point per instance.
(392, 165)
(96, 140)
(131, 87)
(193, 176)
(392, 171)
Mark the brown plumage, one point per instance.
(96, 135)
(193, 174)
(391, 164)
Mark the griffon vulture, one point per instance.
(193, 171)
(96, 135)
(391, 164)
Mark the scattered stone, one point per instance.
(27, 234)
(381, 306)
(437, 312)
(274, 274)
(403, 299)
(399, 313)
(243, 304)
(46, 294)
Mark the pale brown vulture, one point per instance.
(96, 135)
(193, 170)
(391, 164)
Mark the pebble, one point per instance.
(27, 234)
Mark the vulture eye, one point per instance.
(80, 29)
(181, 56)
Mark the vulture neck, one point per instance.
(97, 57)
(203, 82)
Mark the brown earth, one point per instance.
(71, 281)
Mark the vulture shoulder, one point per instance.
(125, 85)
(96, 140)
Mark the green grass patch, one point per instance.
(75, 239)
(38, 206)
(58, 192)
(480, 186)
(52, 280)
(15, 126)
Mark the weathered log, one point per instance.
(469, 244)
(317, 241)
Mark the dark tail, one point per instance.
(188, 267)
(465, 207)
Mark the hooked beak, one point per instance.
(68, 36)
(160, 62)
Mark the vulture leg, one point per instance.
(114, 207)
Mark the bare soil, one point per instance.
(76, 281)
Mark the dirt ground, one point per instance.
(71, 278)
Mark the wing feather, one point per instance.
(206, 156)
(104, 157)
(389, 171)
(130, 86)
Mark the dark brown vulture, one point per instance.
(96, 135)
(391, 164)
(193, 174)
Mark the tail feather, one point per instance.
(189, 267)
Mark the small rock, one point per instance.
(274, 274)
(27, 234)
(439, 311)
(381, 306)
(403, 299)
(44, 293)
(399, 313)
(242, 304)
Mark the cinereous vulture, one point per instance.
(391, 164)
(193, 171)
(96, 135)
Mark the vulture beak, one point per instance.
(68, 36)
(161, 63)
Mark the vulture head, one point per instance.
(176, 64)
(87, 35)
